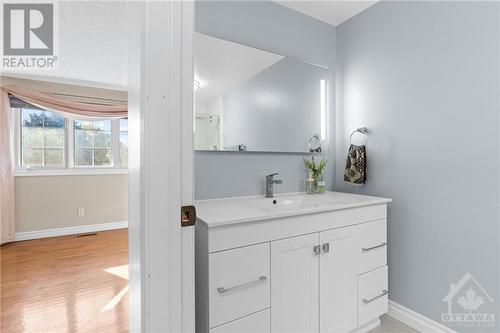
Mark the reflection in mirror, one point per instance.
(249, 99)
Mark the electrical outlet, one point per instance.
(81, 212)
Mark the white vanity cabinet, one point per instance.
(321, 271)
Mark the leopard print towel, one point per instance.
(355, 166)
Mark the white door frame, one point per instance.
(160, 87)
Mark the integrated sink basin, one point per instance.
(294, 201)
(218, 212)
(281, 202)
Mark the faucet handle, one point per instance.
(272, 175)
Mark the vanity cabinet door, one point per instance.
(294, 287)
(338, 277)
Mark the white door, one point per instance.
(337, 292)
(294, 284)
(160, 102)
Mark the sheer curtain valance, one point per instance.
(72, 109)
(7, 191)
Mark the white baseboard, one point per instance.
(415, 320)
(21, 236)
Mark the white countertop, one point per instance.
(226, 211)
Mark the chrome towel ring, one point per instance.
(362, 130)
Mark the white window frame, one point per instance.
(113, 164)
(69, 167)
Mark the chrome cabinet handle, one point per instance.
(261, 279)
(317, 250)
(326, 247)
(366, 249)
(366, 301)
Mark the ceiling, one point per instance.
(92, 46)
(93, 43)
(332, 12)
(220, 65)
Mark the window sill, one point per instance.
(70, 172)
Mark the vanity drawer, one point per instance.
(259, 322)
(238, 283)
(373, 245)
(372, 295)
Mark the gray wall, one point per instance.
(274, 28)
(424, 78)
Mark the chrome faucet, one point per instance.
(270, 181)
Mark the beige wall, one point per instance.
(49, 202)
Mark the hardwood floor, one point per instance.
(65, 284)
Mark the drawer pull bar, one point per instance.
(366, 249)
(222, 290)
(366, 301)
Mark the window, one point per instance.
(93, 143)
(47, 140)
(124, 142)
(43, 139)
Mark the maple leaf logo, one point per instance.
(470, 301)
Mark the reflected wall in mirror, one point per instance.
(249, 99)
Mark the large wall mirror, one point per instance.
(252, 100)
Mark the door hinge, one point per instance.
(188, 216)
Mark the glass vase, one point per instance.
(311, 183)
(311, 186)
